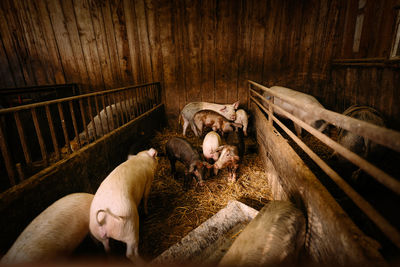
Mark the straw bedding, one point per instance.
(174, 212)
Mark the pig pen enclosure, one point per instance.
(270, 170)
(84, 83)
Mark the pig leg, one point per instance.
(194, 128)
(185, 125)
(132, 238)
(146, 195)
(172, 161)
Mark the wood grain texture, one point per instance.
(202, 50)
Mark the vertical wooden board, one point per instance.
(270, 33)
(386, 29)
(15, 44)
(307, 37)
(73, 32)
(48, 32)
(226, 58)
(63, 42)
(244, 49)
(39, 75)
(193, 56)
(349, 26)
(143, 35)
(46, 61)
(89, 44)
(6, 77)
(208, 34)
(133, 41)
(121, 40)
(387, 95)
(110, 36)
(179, 28)
(99, 32)
(153, 28)
(165, 17)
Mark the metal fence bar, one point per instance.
(92, 120)
(53, 133)
(375, 172)
(7, 157)
(22, 138)
(113, 122)
(374, 215)
(105, 112)
(98, 115)
(83, 119)
(380, 135)
(71, 108)
(39, 136)
(64, 127)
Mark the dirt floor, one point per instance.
(174, 212)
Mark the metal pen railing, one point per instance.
(375, 133)
(36, 135)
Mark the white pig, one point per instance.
(243, 119)
(188, 111)
(54, 233)
(302, 114)
(114, 210)
(210, 144)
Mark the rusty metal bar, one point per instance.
(117, 115)
(141, 102)
(39, 136)
(56, 101)
(53, 133)
(91, 120)
(377, 173)
(98, 115)
(119, 108)
(105, 112)
(135, 102)
(83, 119)
(132, 103)
(380, 135)
(374, 215)
(123, 103)
(22, 138)
(64, 127)
(71, 108)
(113, 123)
(6, 156)
(20, 172)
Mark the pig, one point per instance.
(181, 150)
(109, 116)
(114, 210)
(243, 119)
(212, 119)
(210, 144)
(229, 158)
(54, 233)
(358, 144)
(275, 237)
(187, 113)
(236, 139)
(302, 114)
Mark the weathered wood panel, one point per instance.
(202, 50)
(331, 236)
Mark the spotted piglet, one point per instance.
(178, 149)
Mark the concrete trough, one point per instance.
(208, 243)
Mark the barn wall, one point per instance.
(200, 50)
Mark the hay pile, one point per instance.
(173, 212)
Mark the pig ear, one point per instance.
(152, 152)
(236, 158)
(236, 104)
(219, 149)
(222, 109)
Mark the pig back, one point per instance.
(182, 150)
(55, 232)
(274, 237)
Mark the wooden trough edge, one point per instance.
(331, 237)
(207, 233)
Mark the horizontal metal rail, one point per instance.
(65, 125)
(386, 137)
(377, 173)
(373, 214)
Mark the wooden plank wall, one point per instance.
(200, 50)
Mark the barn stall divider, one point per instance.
(38, 162)
(331, 236)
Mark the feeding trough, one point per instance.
(208, 243)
